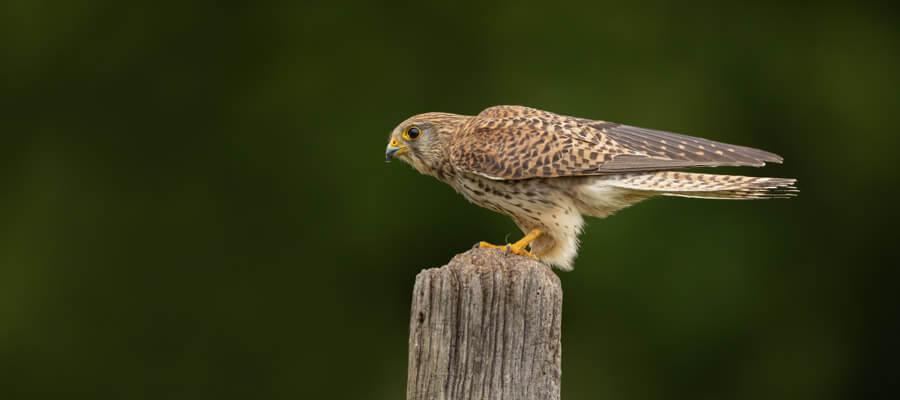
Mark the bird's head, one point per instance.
(421, 140)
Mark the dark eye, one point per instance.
(412, 133)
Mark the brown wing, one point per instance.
(674, 147)
(513, 142)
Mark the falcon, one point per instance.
(547, 171)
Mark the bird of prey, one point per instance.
(546, 170)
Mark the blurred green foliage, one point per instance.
(195, 205)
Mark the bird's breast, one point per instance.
(544, 204)
(524, 200)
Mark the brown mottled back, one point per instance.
(514, 142)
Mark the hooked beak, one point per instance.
(395, 148)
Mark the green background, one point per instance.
(195, 202)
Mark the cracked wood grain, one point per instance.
(485, 326)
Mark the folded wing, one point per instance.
(513, 142)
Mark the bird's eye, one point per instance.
(411, 133)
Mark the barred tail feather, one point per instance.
(706, 186)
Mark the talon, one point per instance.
(486, 245)
(517, 248)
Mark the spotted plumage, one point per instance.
(547, 170)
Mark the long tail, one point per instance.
(706, 186)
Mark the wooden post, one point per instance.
(486, 326)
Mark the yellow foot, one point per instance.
(517, 248)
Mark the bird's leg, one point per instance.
(517, 247)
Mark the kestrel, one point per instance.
(546, 170)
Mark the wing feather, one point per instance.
(682, 147)
(513, 142)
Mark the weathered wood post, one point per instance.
(486, 326)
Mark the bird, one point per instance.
(548, 171)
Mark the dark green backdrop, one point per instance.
(194, 201)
